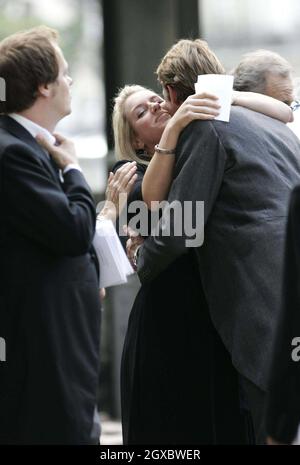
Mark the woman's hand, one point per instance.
(202, 106)
(119, 186)
(134, 241)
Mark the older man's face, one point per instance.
(280, 87)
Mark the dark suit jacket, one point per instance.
(244, 172)
(50, 308)
(283, 411)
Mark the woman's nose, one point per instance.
(154, 106)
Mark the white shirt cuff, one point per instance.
(72, 166)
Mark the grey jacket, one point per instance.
(244, 172)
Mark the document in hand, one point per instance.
(221, 86)
(114, 264)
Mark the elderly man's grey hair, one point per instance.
(251, 73)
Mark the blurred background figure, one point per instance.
(269, 73)
(265, 72)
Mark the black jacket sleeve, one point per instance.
(60, 219)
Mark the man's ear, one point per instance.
(44, 90)
(172, 95)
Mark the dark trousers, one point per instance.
(254, 399)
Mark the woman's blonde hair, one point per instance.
(123, 132)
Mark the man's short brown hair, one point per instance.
(183, 63)
(27, 60)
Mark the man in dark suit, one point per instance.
(49, 298)
(243, 171)
(283, 406)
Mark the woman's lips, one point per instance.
(162, 114)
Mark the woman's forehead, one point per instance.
(140, 97)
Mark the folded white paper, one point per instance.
(114, 264)
(221, 86)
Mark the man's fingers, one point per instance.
(43, 142)
(63, 154)
(51, 149)
(59, 138)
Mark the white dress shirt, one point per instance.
(35, 129)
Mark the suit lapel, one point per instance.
(17, 130)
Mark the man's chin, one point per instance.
(68, 112)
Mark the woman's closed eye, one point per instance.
(141, 113)
(142, 110)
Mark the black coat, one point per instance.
(283, 411)
(244, 172)
(178, 385)
(50, 307)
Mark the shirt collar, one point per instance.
(33, 128)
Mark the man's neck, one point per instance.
(39, 116)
